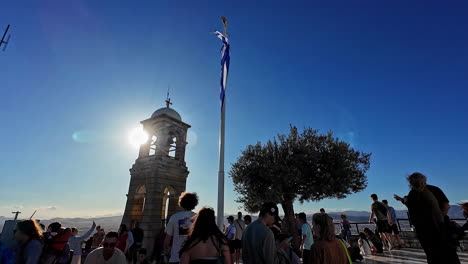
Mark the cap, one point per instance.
(272, 209)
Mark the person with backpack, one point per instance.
(240, 226)
(56, 246)
(380, 211)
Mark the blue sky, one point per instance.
(388, 77)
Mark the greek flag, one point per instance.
(225, 58)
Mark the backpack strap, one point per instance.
(347, 253)
(239, 225)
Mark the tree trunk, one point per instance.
(289, 224)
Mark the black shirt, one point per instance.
(138, 235)
(439, 195)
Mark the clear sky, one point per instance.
(389, 77)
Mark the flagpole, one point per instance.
(220, 209)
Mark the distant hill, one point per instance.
(109, 223)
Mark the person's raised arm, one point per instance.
(401, 199)
(87, 234)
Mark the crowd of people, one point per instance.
(194, 238)
(61, 245)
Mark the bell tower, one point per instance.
(159, 174)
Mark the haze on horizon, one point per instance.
(77, 77)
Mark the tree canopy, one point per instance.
(305, 166)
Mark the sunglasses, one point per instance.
(109, 245)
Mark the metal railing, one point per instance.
(401, 226)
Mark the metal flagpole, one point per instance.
(220, 210)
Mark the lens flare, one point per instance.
(137, 136)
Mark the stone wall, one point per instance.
(410, 240)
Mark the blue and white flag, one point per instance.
(225, 58)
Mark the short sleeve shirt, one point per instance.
(378, 213)
(306, 231)
(96, 257)
(231, 232)
(178, 227)
(392, 214)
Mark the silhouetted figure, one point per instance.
(428, 219)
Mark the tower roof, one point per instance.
(166, 111)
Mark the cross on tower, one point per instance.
(16, 214)
(168, 100)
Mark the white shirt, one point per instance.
(96, 257)
(240, 226)
(178, 227)
(365, 247)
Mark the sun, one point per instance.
(137, 136)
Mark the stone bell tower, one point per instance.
(159, 174)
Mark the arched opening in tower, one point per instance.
(139, 203)
(172, 146)
(153, 145)
(168, 191)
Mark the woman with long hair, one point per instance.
(326, 248)
(366, 247)
(28, 233)
(374, 239)
(205, 243)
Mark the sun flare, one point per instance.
(137, 136)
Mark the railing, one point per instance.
(401, 226)
(356, 224)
